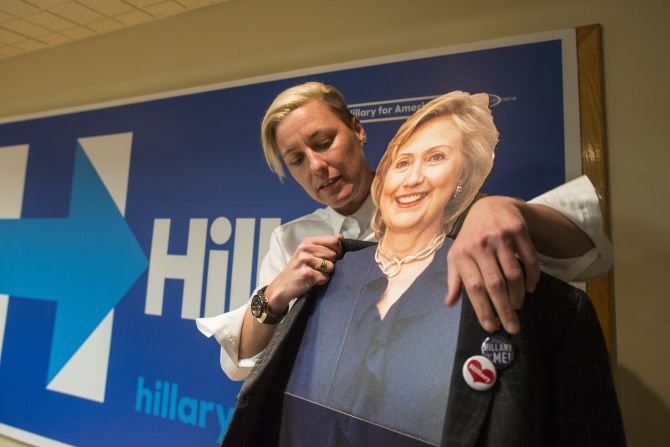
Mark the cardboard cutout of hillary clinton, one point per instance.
(370, 348)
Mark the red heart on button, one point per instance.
(479, 373)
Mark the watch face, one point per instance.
(257, 306)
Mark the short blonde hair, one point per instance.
(472, 115)
(291, 99)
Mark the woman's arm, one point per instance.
(493, 234)
(495, 255)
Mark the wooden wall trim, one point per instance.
(594, 160)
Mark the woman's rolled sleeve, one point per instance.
(578, 201)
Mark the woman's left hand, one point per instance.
(489, 257)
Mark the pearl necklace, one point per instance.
(393, 266)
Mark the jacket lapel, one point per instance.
(251, 398)
(467, 409)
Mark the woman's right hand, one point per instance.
(303, 271)
(311, 265)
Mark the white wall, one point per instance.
(246, 38)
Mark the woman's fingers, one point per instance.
(493, 280)
(476, 290)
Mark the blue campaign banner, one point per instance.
(122, 223)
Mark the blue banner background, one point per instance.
(199, 156)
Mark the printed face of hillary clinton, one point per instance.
(422, 178)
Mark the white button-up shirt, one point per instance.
(577, 200)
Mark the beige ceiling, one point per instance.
(30, 25)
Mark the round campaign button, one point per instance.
(499, 350)
(479, 373)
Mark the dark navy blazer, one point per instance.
(558, 392)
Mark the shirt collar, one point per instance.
(363, 216)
